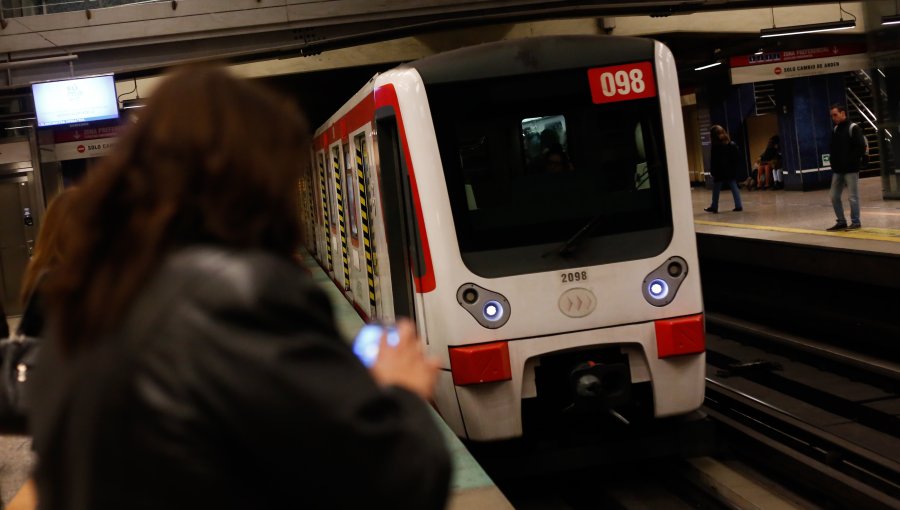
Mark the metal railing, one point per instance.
(860, 106)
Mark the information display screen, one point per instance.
(77, 100)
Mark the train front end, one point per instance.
(554, 195)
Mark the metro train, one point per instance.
(527, 203)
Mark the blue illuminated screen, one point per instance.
(77, 100)
(366, 343)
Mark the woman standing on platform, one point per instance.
(190, 362)
(47, 253)
(725, 164)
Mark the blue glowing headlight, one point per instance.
(658, 289)
(492, 311)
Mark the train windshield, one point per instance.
(531, 161)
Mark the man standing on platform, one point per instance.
(848, 147)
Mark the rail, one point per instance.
(860, 107)
(808, 404)
(836, 467)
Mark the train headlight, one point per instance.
(661, 285)
(658, 289)
(492, 311)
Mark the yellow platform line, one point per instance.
(872, 234)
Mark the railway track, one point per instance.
(822, 416)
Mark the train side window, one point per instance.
(333, 174)
(351, 192)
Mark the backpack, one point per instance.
(865, 156)
(865, 140)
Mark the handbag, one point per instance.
(18, 356)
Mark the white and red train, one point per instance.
(527, 203)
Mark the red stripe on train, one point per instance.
(387, 96)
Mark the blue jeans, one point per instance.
(851, 181)
(735, 192)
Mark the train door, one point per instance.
(307, 189)
(351, 201)
(17, 232)
(342, 261)
(368, 255)
(400, 218)
(306, 208)
(324, 230)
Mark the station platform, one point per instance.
(801, 217)
(470, 486)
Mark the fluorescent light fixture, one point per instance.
(891, 20)
(714, 64)
(808, 29)
(758, 52)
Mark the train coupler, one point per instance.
(601, 386)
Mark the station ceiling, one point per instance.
(153, 36)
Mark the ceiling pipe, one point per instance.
(37, 61)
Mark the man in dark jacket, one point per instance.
(848, 146)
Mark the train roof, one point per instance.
(530, 55)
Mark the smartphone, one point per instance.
(367, 341)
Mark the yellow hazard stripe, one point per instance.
(330, 262)
(364, 214)
(340, 209)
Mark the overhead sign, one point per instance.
(781, 65)
(84, 149)
(85, 133)
(622, 82)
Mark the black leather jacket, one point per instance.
(847, 148)
(4, 326)
(226, 386)
(725, 162)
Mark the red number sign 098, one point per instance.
(622, 83)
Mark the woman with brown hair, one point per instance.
(725, 164)
(192, 362)
(48, 252)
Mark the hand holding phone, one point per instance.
(398, 358)
(368, 340)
